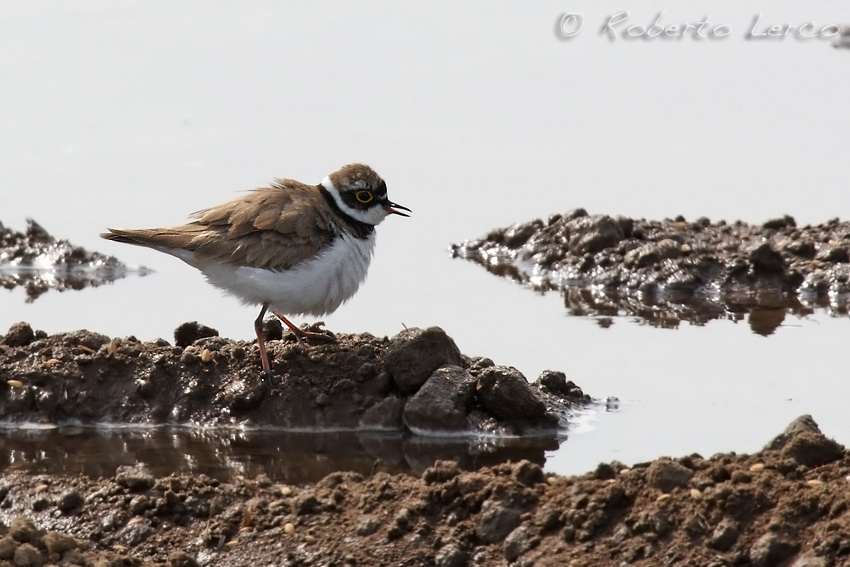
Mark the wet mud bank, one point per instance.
(787, 505)
(772, 260)
(417, 381)
(37, 261)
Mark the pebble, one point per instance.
(758, 467)
(288, 528)
(206, 356)
(15, 383)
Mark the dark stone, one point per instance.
(802, 248)
(181, 559)
(592, 234)
(505, 393)
(834, 254)
(518, 542)
(652, 253)
(450, 556)
(19, 334)
(782, 222)
(802, 424)
(495, 521)
(442, 403)
(189, 332)
(367, 527)
(527, 473)
(725, 535)
(134, 479)
(518, 234)
(554, 381)
(69, 501)
(812, 449)
(665, 475)
(414, 354)
(386, 414)
(272, 329)
(766, 260)
(23, 530)
(58, 543)
(87, 339)
(769, 551)
(306, 503)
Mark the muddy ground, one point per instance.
(417, 381)
(675, 269)
(784, 506)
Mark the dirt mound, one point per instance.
(787, 505)
(417, 380)
(674, 261)
(38, 262)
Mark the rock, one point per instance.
(27, 555)
(782, 222)
(766, 260)
(18, 335)
(808, 560)
(505, 393)
(384, 415)
(518, 234)
(812, 450)
(134, 479)
(7, 547)
(69, 501)
(652, 253)
(367, 527)
(414, 354)
(59, 543)
(181, 559)
(441, 471)
(769, 551)
(592, 234)
(306, 503)
(189, 332)
(554, 381)
(527, 473)
(665, 475)
(804, 423)
(442, 403)
(495, 521)
(517, 543)
(87, 339)
(272, 329)
(835, 254)
(450, 556)
(23, 530)
(725, 535)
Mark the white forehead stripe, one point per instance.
(373, 215)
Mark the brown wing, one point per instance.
(274, 228)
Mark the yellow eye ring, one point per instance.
(363, 196)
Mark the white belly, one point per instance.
(315, 287)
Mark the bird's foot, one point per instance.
(314, 332)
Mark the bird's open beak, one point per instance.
(392, 208)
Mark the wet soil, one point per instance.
(784, 506)
(418, 381)
(38, 262)
(674, 269)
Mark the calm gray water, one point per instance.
(137, 114)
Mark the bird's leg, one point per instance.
(301, 335)
(258, 328)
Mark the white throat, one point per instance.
(373, 215)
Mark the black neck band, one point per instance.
(359, 228)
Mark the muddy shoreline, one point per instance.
(787, 505)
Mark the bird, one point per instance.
(291, 248)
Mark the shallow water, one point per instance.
(477, 116)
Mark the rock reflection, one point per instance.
(290, 457)
(38, 262)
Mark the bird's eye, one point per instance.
(363, 196)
